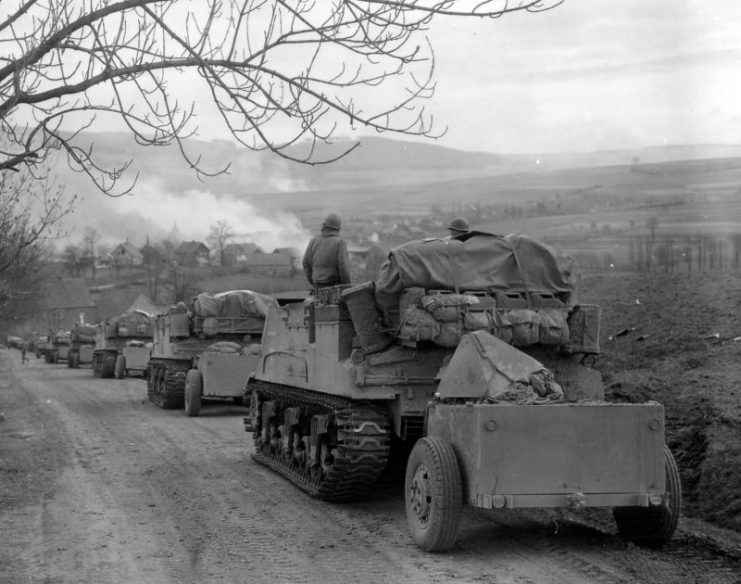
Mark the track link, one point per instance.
(349, 457)
(166, 383)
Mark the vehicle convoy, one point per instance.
(41, 346)
(208, 351)
(82, 345)
(59, 342)
(122, 345)
(470, 357)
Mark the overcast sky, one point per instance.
(585, 76)
(592, 75)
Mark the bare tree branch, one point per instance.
(284, 75)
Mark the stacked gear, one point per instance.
(208, 351)
(122, 345)
(82, 344)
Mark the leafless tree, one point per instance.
(30, 214)
(283, 74)
(220, 234)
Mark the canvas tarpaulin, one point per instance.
(482, 262)
(233, 304)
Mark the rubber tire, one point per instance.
(433, 460)
(120, 370)
(653, 527)
(193, 393)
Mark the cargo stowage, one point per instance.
(206, 350)
(464, 360)
(122, 345)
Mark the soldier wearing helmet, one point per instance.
(458, 228)
(326, 261)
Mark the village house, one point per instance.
(67, 301)
(237, 253)
(279, 263)
(126, 254)
(192, 253)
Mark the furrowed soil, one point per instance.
(676, 339)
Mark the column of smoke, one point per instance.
(151, 214)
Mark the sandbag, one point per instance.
(418, 325)
(447, 307)
(554, 328)
(224, 348)
(450, 334)
(525, 326)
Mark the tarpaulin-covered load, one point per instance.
(234, 304)
(136, 323)
(483, 262)
(83, 333)
(61, 337)
(513, 287)
(236, 311)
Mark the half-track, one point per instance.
(123, 344)
(206, 351)
(470, 360)
(82, 345)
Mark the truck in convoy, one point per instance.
(469, 359)
(59, 342)
(82, 345)
(123, 344)
(206, 351)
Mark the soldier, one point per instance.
(458, 228)
(326, 262)
(24, 348)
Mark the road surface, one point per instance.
(97, 485)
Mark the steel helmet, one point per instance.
(459, 224)
(333, 221)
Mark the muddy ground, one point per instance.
(676, 339)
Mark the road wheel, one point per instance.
(653, 526)
(193, 393)
(120, 371)
(434, 494)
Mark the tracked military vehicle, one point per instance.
(59, 342)
(122, 345)
(208, 351)
(470, 358)
(41, 346)
(82, 345)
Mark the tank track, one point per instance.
(358, 436)
(166, 383)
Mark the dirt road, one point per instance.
(99, 486)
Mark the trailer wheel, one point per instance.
(120, 371)
(653, 526)
(193, 393)
(434, 494)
